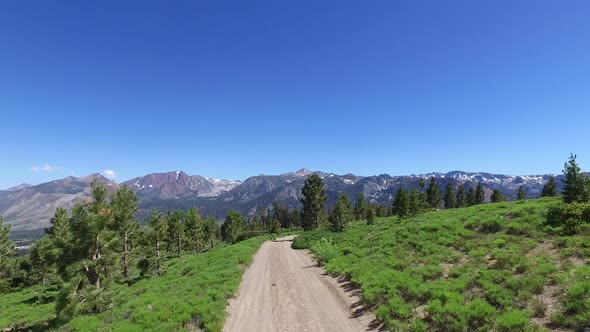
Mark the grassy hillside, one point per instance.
(191, 295)
(487, 267)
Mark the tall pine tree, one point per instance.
(450, 198)
(232, 227)
(157, 235)
(479, 194)
(462, 196)
(341, 215)
(314, 202)
(576, 185)
(125, 204)
(470, 198)
(433, 194)
(359, 207)
(401, 203)
(6, 251)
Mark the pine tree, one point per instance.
(359, 207)
(417, 203)
(370, 214)
(60, 240)
(450, 198)
(497, 196)
(479, 195)
(433, 194)
(340, 216)
(522, 195)
(195, 237)
(211, 230)
(157, 234)
(233, 226)
(470, 198)
(462, 200)
(576, 185)
(550, 188)
(125, 204)
(401, 203)
(314, 200)
(176, 231)
(6, 250)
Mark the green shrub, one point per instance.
(566, 219)
(577, 305)
(307, 239)
(324, 250)
(479, 313)
(513, 320)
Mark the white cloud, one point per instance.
(44, 168)
(109, 173)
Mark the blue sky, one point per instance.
(233, 89)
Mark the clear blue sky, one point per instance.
(232, 89)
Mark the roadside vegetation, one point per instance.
(98, 266)
(506, 266)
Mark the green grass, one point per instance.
(191, 295)
(487, 267)
(31, 308)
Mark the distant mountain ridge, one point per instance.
(30, 207)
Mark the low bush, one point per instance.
(512, 321)
(324, 250)
(567, 218)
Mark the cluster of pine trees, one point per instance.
(313, 214)
(410, 203)
(102, 242)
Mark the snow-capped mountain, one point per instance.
(31, 207)
(178, 184)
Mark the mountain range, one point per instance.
(30, 207)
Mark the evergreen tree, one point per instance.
(176, 231)
(417, 203)
(522, 195)
(6, 251)
(433, 194)
(370, 214)
(401, 204)
(97, 242)
(157, 234)
(576, 185)
(55, 254)
(359, 207)
(232, 227)
(125, 204)
(314, 200)
(470, 201)
(462, 200)
(450, 198)
(211, 230)
(550, 188)
(422, 184)
(497, 196)
(479, 197)
(195, 235)
(340, 216)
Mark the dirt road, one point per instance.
(284, 290)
